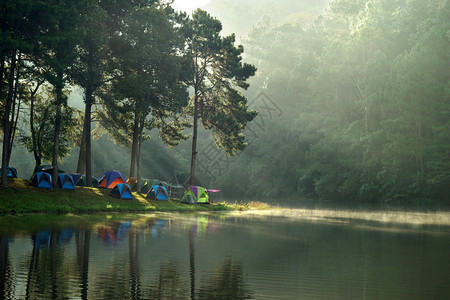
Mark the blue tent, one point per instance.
(158, 192)
(122, 191)
(41, 180)
(12, 172)
(76, 177)
(65, 182)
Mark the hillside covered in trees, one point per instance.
(352, 97)
(364, 92)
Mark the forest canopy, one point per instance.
(364, 91)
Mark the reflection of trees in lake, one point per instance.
(116, 280)
(135, 270)
(111, 283)
(49, 270)
(64, 263)
(226, 282)
(192, 262)
(5, 268)
(169, 284)
(83, 242)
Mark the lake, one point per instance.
(277, 254)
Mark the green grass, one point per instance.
(20, 197)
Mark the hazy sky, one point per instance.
(189, 5)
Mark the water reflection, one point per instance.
(83, 239)
(5, 268)
(225, 282)
(219, 256)
(143, 258)
(170, 283)
(114, 233)
(47, 274)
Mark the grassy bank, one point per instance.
(23, 198)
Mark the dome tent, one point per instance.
(195, 195)
(41, 180)
(122, 191)
(11, 172)
(158, 192)
(110, 179)
(65, 182)
(148, 183)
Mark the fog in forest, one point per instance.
(352, 100)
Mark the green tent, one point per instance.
(148, 183)
(195, 195)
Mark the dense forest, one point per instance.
(135, 61)
(352, 98)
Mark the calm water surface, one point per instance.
(292, 254)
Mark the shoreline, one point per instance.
(21, 198)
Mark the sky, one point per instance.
(188, 5)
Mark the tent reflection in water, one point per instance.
(115, 233)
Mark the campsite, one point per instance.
(25, 198)
(111, 193)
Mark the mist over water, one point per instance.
(288, 254)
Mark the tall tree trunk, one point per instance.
(139, 151)
(2, 71)
(87, 122)
(14, 115)
(134, 145)
(36, 152)
(81, 166)
(13, 131)
(59, 95)
(194, 142)
(420, 159)
(6, 127)
(3, 21)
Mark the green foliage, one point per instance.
(148, 90)
(45, 112)
(366, 89)
(218, 73)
